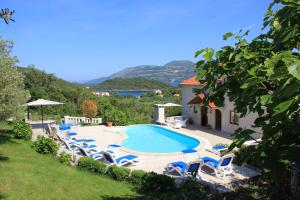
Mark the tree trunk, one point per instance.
(295, 182)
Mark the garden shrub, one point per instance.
(158, 183)
(45, 145)
(191, 189)
(245, 155)
(118, 173)
(137, 176)
(22, 130)
(65, 158)
(118, 117)
(91, 165)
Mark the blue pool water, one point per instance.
(155, 139)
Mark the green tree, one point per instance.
(263, 76)
(12, 93)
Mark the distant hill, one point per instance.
(171, 73)
(138, 83)
(47, 86)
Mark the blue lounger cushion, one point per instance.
(221, 147)
(189, 151)
(127, 157)
(180, 164)
(114, 145)
(85, 140)
(65, 126)
(210, 161)
(96, 155)
(89, 146)
(72, 134)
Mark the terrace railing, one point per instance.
(82, 120)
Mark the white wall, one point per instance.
(159, 114)
(188, 110)
(245, 122)
(187, 95)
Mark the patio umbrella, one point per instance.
(171, 105)
(42, 102)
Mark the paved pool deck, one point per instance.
(105, 136)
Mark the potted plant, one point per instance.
(109, 124)
(109, 118)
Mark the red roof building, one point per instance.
(191, 81)
(200, 98)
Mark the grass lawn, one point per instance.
(25, 174)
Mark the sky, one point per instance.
(79, 40)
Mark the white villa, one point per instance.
(222, 118)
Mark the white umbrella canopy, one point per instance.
(42, 102)
(171, 105)
(168, 105)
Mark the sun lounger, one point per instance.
(65, 126)
(95, 155)
(217, 149)
(183, 169)
(122, 160)
(221, 167)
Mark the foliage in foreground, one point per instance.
(65, 158)
(22, 130)
(258, 188)
(155, 186)
(45, 145)
(267, 69)
(12, 93)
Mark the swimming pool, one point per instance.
(155, 139)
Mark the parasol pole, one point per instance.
(42, 117)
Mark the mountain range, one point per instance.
(171, 73)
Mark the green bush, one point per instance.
(65, 158)
(191, 189)
(22, 130)
(91, 165)
(118, 173)
(136, 177)
(158, 183)
(118, 117)
(45, 145)
(245, 155)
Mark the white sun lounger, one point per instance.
(122, 160)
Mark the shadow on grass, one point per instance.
(139, 197)
(3, 158)
(2, 196)
(3, 140)
(6, 139)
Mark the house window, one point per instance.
(234, 118)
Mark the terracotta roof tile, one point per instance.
(200, 98)
(191, 81)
